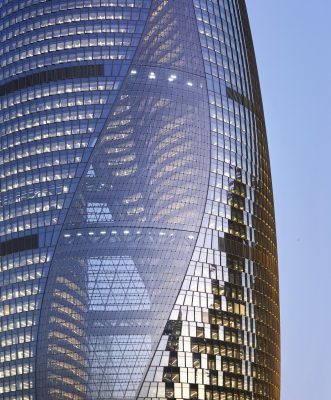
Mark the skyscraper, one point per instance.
(138, 244)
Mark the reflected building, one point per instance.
(138, 245)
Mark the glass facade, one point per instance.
(138, 253)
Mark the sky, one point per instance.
(292, 40)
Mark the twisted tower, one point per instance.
(138, 245)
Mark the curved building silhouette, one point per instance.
(138, 244)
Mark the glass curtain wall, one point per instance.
(138, 253)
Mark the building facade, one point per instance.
(138, 245)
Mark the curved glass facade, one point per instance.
(138, 246)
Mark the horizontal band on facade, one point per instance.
(241, 99)
(19, 244)
(80, 71)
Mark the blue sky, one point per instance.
(292, 40)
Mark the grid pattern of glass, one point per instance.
(222, 339)
(138, 247)
(62, 64)
(132, 225)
